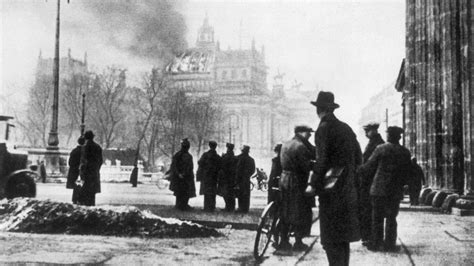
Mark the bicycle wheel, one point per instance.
(264, 187)
(265, 230)
(251, 186)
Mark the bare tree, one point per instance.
(203, 118)
(72, 104)
(36, 123)
(106, 100)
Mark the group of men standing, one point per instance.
(359, 194)
(227, 175)
(85, 161)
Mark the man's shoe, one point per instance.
(300, 246)
(373, 247)
(284, 246)
(391, 248)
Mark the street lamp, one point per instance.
(53, 139)
(83, 115)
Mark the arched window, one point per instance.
(224, 75)
(234, 74)
(244, 73)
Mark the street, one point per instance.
(425, 238)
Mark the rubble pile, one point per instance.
(50, 217)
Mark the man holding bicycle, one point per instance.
(295, 212)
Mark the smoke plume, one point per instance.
(153, 30)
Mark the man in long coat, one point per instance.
(227, 178)
(336, 146)
(209, 166)
(91, 161)
(390, 166)
(74, 162)
(245, 170)
(182, 177)
(275, 173)
(365, 205)
(295, 208)
(415, 181)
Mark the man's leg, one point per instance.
(378, 210)
(337, 253)
(391, 223)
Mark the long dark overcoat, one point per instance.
(91, 162)
(209, 165)
(227, 175)
(74, 162)
(390, 166)
(245, 170)
(336, 145)
(182, 165)
(296, 156)
(275, 172)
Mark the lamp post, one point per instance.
(83, 114)
(52, 154)
(53, 139)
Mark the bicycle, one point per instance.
(267, 227)
(262, 183)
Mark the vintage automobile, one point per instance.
(15, 179)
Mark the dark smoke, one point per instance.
(150, 29)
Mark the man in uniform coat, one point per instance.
(365, 205)
(182, 177)
(415, 181)
(336, 146)
(275, 173)
(390, 166)
(91, 161)
(209, 166)
(295, 209)
(227, 178)
(74, 162)
(245, 170)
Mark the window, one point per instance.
(244, 73)
(234, 74)
(224, 74)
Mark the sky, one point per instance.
(352, 48)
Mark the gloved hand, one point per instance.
(310, 191)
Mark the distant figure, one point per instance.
(134, 175)
(365, 205)
(275, 173)
(73, 172)
(245, 170)
(91, 162)
(415, 181)
(336, 147)
(42, 169)
(390, 166)
(209, 166)
(226, 182)
(296, 157)
(182, 177)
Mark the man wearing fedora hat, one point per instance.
(245, 169)
(389, 165)
(209, 165)
(226, 181)
(182, 176)
(91, 161)
(336, 147)
(365, 205)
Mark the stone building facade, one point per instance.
(436, 82)
(252, 114)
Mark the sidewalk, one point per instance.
(425, 239)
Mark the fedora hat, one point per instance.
(325, 99)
